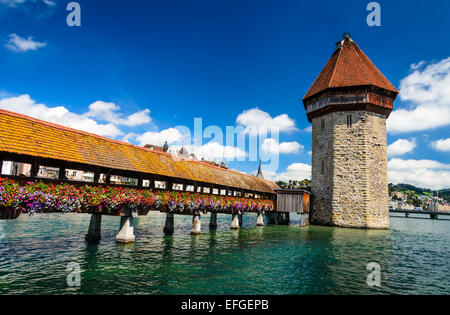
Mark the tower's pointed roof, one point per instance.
(260, 174)
(349, 66)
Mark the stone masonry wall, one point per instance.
(322, 183)
(353, 189)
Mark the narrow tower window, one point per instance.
(322, 169)
(349, 121)
(322, 125)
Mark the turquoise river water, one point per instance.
(35, 251)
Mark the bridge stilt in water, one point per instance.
(126, 233)
(434, 216)
(304, 219)
(94, 232)
(260, 219)
(213, 221)
(236, 219)
(169, 226)
(196, 225)
(279, 218)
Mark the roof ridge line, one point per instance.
(64, 128)
(361, 63)
(335, 66)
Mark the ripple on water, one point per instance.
(35, 251)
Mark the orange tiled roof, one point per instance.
(349, 66)
(21, 134)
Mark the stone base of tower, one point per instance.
(349, 170)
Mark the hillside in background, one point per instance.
(444, 193)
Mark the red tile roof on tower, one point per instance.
(349, 66)
(23, 135)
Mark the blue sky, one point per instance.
(134, 70)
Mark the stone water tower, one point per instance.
(348, 105)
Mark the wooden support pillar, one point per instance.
(140, 180)
(126, 233)
(108, 179)
(169, 184)
(235, 222)
(195, 187)
(213, 221)
(1, 166)
(260, 219)
(34, 169)
(304, 219)
(196, 225)
(62, 173)
(169, 226)
(94, 232)
(96, 177)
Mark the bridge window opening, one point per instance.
(178, 187)
(223, 192)
(257, 196)
(121, 180)
(215, 191)
(190, 188)
(230, 193)
(199, 189)
(146, 183)
(349, 121)
(15, 169)
(322, 167)
(101, 179)
(160, 184)
(77, 175)
(237, 194)
(322, 125)
(48, 172)
(206, 190)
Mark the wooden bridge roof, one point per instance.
(23, 135)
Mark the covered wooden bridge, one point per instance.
(41, 144)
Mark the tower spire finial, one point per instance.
(260, 174)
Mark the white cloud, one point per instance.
(401, 146)
(257, 121)
(49, 3)
(11, 3)
(428, 92)
(271, 146)
(109, 112)
(307, 129)
(170, 135)
(442, 145)
(418, 65)
(214, 151)
(23, 104)
(14, 3)
(422, 173)
(295, 171)
(20, 44)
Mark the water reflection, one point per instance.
(35, 251)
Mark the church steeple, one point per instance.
(260, 174)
